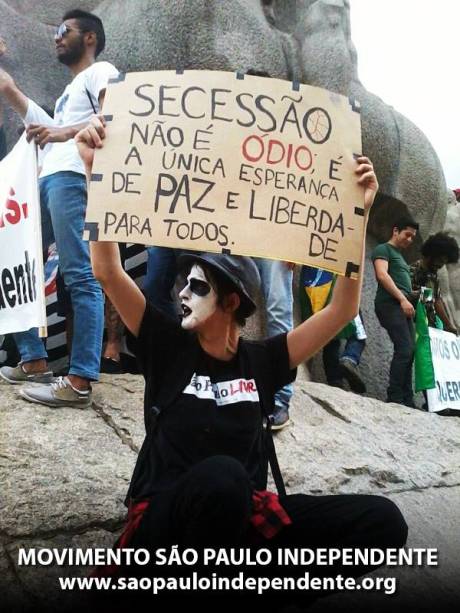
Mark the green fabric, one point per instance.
(305, 305)
(398, 269)
(424, 372)
(347, 332)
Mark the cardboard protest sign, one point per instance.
(219, 161)
(445, 355)
(22, 292)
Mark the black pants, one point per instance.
(401, 332)
(331, 357)
(211, 506)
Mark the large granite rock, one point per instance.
(307, 40)
(450, 275)
(65, 472)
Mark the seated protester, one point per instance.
(201, 475)
(437, 251)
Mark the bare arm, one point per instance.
(444, 317)
(308, 338)
(12, 94)
(384, 279)
(44, 134)
(123, 293)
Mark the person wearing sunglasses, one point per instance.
(201, 476)
(79, 40)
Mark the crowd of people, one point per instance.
(400, 287)
(79, 41)
(204, 460)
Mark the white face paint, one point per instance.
(196, 309)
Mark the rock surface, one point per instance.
(65, 473)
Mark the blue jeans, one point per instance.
(276, 280)
(63, 206)
(160, 278)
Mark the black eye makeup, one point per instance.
(199, 287)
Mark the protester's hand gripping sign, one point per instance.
(22, 292)
(218, 161)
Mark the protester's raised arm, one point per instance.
(308, 338)
(12, 94)
(441, 312)
(124, 294)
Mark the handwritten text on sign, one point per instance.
(445, 354)
(217, 161)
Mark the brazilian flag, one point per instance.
(316, 286)
(424, 372)
(315, 290)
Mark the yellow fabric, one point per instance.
(318, 296)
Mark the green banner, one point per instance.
(424, 372)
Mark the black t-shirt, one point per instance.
(206, 406)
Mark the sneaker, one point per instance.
(17, 374)
(350, 372)
(57, 394)
(280, 418)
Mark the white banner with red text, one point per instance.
(22, 291)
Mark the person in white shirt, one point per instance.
(79, 40)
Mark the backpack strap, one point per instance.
(90, 98)
(256, 354)
(273, 460)
(258, 361)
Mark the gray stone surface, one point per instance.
(450, 275)
(49, 12)
(58, 455)
(64, 474)
(308, 40)
(40, 584)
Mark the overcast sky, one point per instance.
(409, 55)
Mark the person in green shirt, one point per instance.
(394, 310)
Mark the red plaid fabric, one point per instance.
(268, 518)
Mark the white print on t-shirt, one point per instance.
(223, 392)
